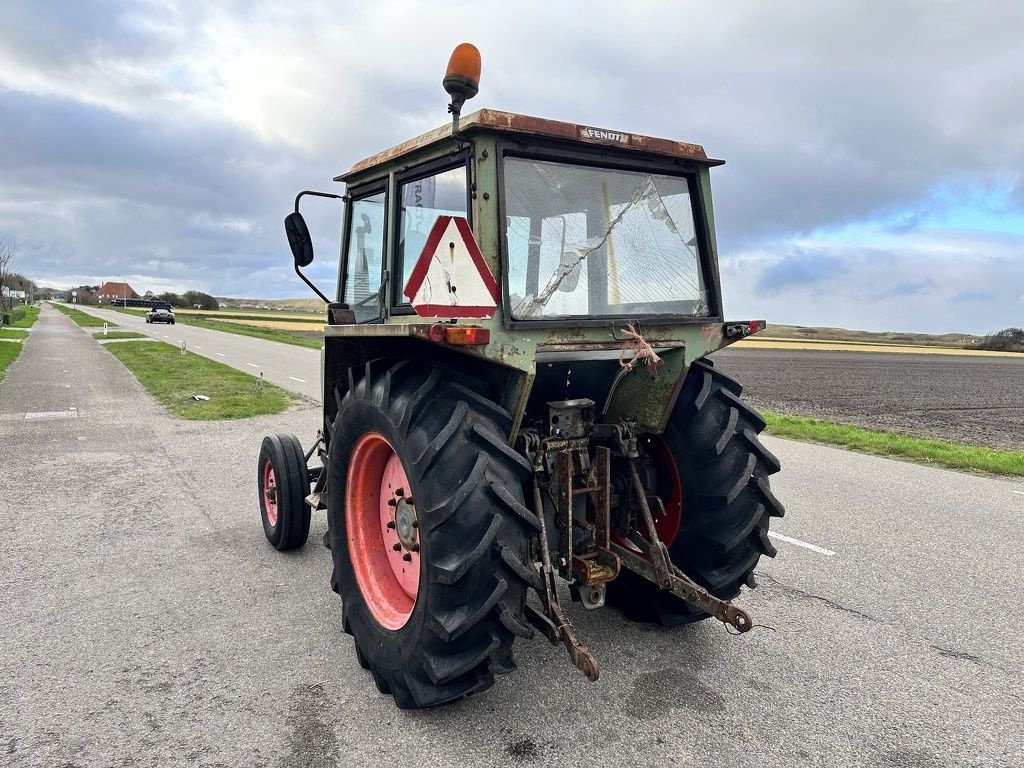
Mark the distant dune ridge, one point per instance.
(777, 331)
(312, 304)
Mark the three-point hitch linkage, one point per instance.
(574, 468)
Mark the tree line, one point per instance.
(89, 295)
(9, 279)
(1006, 340)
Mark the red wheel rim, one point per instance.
(667, 523)
(383, 531)
(269, 491)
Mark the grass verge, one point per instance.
(13, 333)
(921, 450)
(8, 352)
(311, 339)
(83, 319)
(24, 318)
(119, 335)
(173, 378)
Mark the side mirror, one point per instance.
(298, 239)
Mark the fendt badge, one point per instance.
(599, 134)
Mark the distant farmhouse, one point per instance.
(7, 293)
(109, 292)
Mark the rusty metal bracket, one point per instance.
(597, 567)
(553, 623)
(662, 571)
(684, 587)
(317, 498)
(600, 496)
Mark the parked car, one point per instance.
(160, 315)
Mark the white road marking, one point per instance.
(221, 354)
(71, 413)
(197, 347)
(301, 381)
(1020, 492)
(252, 365)
(797, 542)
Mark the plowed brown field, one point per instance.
(976, 400)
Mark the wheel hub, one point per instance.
(270, 493)
(382, 531)
(406, 524)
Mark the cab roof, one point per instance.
(520, 125)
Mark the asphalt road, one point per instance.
(146, 621)
(287, 365)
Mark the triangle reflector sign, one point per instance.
(451, 278)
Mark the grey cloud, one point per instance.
(800, 269)
(828, 114)
(862, 296)
(909, 288)
(968, 297)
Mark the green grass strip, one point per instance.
(8, 352)
(119, 335)
(83, 319)
(173, 378)
(311, 339)
(13, 333)
(26, 318)
(921, 450)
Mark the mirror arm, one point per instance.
(298, 272)
(315, 289)
(317, 194)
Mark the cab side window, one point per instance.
(424, 199)
(364, 262)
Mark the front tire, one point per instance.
(283, 482)
(443, 631)
(715, 456)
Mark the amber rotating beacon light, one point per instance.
(461, 79)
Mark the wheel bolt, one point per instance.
(391, 524)
(392, 503)
(397, 547)
(414, 547)
(407, 557)
(415, 523)
(400, 492)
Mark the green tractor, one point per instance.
(516, 390)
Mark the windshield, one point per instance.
(585, 242)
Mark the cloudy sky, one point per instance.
(875, 149)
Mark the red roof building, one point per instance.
(110, 291)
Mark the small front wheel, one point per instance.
(283, 482)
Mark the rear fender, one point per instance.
(507, 386)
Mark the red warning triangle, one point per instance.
(451, 278)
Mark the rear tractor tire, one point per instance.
(712, 456)
(283, 482)
(430, 537)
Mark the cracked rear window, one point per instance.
(585, 242)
